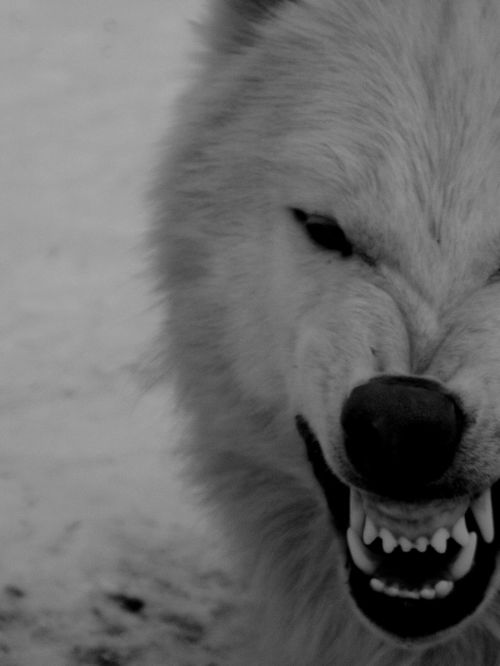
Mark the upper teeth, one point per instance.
(370, 532)
(363, 531)
(460, 532)
(483, 513)
(365, 527)
(463, 562)
(440, 539)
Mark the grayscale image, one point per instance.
(104, 561)
(251, 333)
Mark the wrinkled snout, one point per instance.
(401, 433)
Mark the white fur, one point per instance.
(386, 115)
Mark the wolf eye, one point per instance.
(324, 231)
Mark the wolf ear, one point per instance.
(233, 21)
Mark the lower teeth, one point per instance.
(439, 590)
(449, 552)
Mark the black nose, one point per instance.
(401, 432)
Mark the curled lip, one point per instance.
(437, 608)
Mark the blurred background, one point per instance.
(104, 561)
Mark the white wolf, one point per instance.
(328, 237)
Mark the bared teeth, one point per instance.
(439, 540)
(362, 558)
(389, 542)
(370, 533)
(483, 513)
(363, 531)
(460, 532)
(463, 562)
(409, 594)
(443, 588)
(439, 590)
(377, 584)
(428, 593)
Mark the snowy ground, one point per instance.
(103, 560)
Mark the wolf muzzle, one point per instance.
(401, 433)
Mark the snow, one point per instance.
(105, 560)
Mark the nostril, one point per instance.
(401, 431)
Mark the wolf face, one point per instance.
(329, 238)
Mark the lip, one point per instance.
(405, 620)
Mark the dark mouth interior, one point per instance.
(419, 619)
(405, 618)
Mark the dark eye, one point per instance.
(324, 231)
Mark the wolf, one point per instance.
(327, 241)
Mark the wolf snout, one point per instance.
(401, 432)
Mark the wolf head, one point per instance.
(329, 236)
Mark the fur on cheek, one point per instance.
(377, 91)
(293, 560)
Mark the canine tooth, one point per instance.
(428, 593)
(388, 540)
(439, 540)
(483, 513)
(463, 562)
(370, 532)
(443, 588)
(377, 585)
(361, 557)
(460, 532)
(422, 543)
(406, 544)
(357, 513)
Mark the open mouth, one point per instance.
(413, 571)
